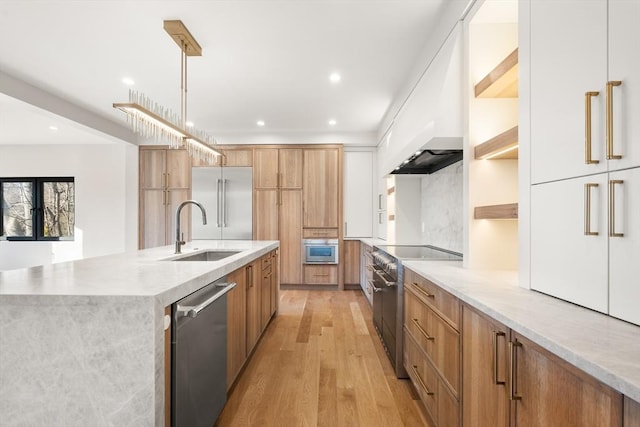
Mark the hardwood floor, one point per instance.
(320, 363)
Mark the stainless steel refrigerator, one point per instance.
(226, 194)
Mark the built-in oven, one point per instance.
(320, 251)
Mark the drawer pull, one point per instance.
(513, 345)
(419, 378)
(427, 336)
(422, 291)
(496, 334)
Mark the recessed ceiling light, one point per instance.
(334, 77)
(128, 81)
(189, 124)
(332, 122)
(53, 128)
(260, 123)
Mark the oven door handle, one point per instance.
(374, 287)
(386, 282)
(373, 267)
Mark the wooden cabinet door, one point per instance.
(291, 236)
(253, 304)
(153, 219)
(265, 214)
(569, 54)
(565, 262)
(265, 168)
(631, 413)
(290, 168)
(484, 365)
(237, 157)
(178, 169)
(236, 325)
(265, 296)
(351, 261)
(552, 392)
(152, 165)
(624, 33)
(358, 194)
(321, 192)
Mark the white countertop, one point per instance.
(139, 273)
(604, 347)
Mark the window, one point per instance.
(37, 208)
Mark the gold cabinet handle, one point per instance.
(587, 128)
(426, 335)
(496, 334)
(422, 291)
(587, 209)
(612, 208)
(610, 86)
(513, 345)
(419, 378)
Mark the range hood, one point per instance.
(432, 157)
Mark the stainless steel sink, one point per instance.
(206, 256)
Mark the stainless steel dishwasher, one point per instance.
(199, 356)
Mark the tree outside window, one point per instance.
(37, 208)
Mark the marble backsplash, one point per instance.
(441, 208)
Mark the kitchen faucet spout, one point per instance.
(179, 241)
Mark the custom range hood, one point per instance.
(432, 157)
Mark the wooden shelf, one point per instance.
(502, 81)
(503, 146)
(507, 211)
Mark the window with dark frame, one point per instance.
(37, 208)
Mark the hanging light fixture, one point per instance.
(152, 120)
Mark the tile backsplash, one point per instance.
(441, 208)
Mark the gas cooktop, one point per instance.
(426, 252)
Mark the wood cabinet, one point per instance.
(165, 182)
(351, 258)
(237, 324)
(321, 188)
(358, 194)
(268, 289)
(432, 347)
(231, 157)
(549, 391)
(320, 274)
(277, 175)
(484, 367)
(254, 304)
(631, 413)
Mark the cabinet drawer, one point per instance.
(321, 274)
(439, 341)
(267, 262)
(441, 404)
(445, 304)
(310, 233)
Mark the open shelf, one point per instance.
(507, 211)
(503, 146)
(502, 81)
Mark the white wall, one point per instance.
(106, 181)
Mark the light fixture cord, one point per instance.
(183, 85)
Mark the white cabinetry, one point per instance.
(584, 81)
(358, 193)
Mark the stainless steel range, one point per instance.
(388, 292)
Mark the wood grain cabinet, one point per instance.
(277, 180)
(237, 324)
(268, 289)
(165, 182)
(351, 258)
(321, 188)
(231, 157)
(432, 347)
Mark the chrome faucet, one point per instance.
(179, 241)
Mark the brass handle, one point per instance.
(167, 183)
(427, 336)
(249, 272)
(513, 345)
(422, 291)
(587, 209)
(419, 378)
(612, 208)
(496, 334)
(587, 128)
(320, 275)
(610, 86)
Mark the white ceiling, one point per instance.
(262, 60)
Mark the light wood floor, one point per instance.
(320, 363)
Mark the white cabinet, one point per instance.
(585, 83)
(564, 262)
(358, 193)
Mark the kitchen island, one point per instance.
(82, 342)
